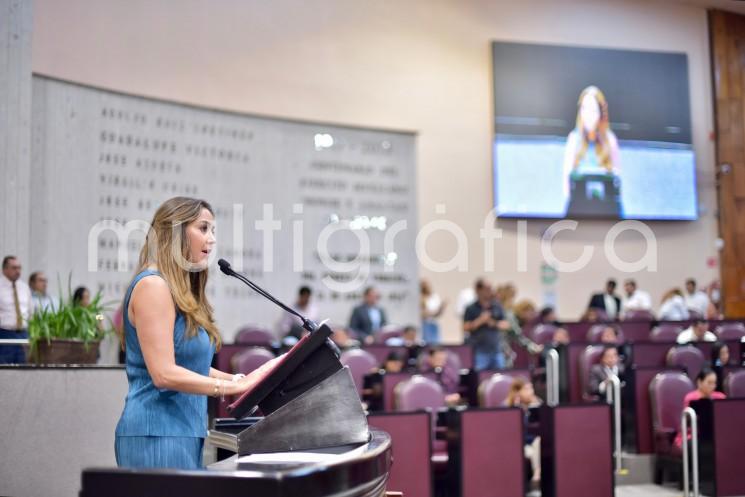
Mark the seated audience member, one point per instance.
(591, 315)
(343, 340)
(407, 339)
(609, 365)
(394, 363)
(436, 361)
(719, 359)
(81, 297)
(559, 341)
(695, 299)
(525, 313)
(523, 395)
(706, 383)
(548, 316)
(40, 300)
(291, 325)
(697, 332)
(485, 327)
(607, 301)
(368, 317)
(673, 306)
(635, 300)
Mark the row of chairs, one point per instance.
(666, 332)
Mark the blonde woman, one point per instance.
(169, 339)
(592, 158)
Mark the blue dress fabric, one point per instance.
(162, 428)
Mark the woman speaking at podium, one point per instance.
(169, 338)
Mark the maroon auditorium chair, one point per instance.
(360, 363)
(688, 357)
(730, 331)
(639, 315)
(665, 333)
(734, 384)
(250, 359)
(389, 331)
(589, 357)
(543, 333)
(419, 393)
(596, 330)
(494, 390)
(251, 335)
(411, 446)
(667, 391)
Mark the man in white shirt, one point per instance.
(697, 332)
(635, 300)
(15, 310)
(695, 299)
(290, 324)
(40, 300)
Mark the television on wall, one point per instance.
(592, 133)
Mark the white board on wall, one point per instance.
(101, 157)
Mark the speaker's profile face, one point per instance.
(201, 236)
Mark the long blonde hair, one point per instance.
(513, 397)
(167, 247)
(599, 136)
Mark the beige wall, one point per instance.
(421, 65)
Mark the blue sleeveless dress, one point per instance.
(162, 428)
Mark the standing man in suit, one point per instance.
(607, 301)
(608, 366)
(368, 318)
(15, 310)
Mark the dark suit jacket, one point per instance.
(598, 375)
(360, 321)
(597, 301)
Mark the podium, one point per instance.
(359, 470)
(308, 401)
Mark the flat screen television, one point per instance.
(592, 133)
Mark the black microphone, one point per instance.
(225, 268)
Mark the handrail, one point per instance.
(613, 396)
(552, 377)
(689, 412)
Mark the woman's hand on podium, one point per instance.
(252, 378)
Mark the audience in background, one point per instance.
(505, 295)
(673, 306)
(608, 365)
(635, 299)
(591, 315)
(714, 293)
(368, 317)
(393, 363)
(697, 332)
(436, 361)
(290, 325)
(525, 313)
(523, 395)
(609, 335)
(466, 297)
(15, 310)
(607, 301)
(720, 358)
(695, 299)
(81, 297)
(706, 383)
(484, 326)
(343, 340)
(408, 338)
(548, 316)
(41, 301)
(432, 307)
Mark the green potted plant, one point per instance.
(68, 333)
